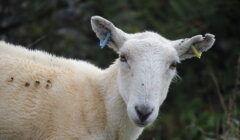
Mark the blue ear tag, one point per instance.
(104, 40)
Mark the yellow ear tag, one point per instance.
(196, 52)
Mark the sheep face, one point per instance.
(147, 64)
(147, 67)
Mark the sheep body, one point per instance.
(48, 97)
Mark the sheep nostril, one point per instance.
(143, 112)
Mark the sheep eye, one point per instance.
(173, 65)
(123, 58)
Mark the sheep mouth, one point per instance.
(142, 124)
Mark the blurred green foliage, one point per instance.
(193, 109)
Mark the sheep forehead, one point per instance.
(149, 45)
(152, 35)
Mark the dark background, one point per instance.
(203, 104)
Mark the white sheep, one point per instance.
(44, 97)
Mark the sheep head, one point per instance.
(147, 64)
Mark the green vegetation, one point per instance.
(203, 104)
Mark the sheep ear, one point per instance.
(102, 27)
(199, 42)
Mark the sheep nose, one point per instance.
(143, 112)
